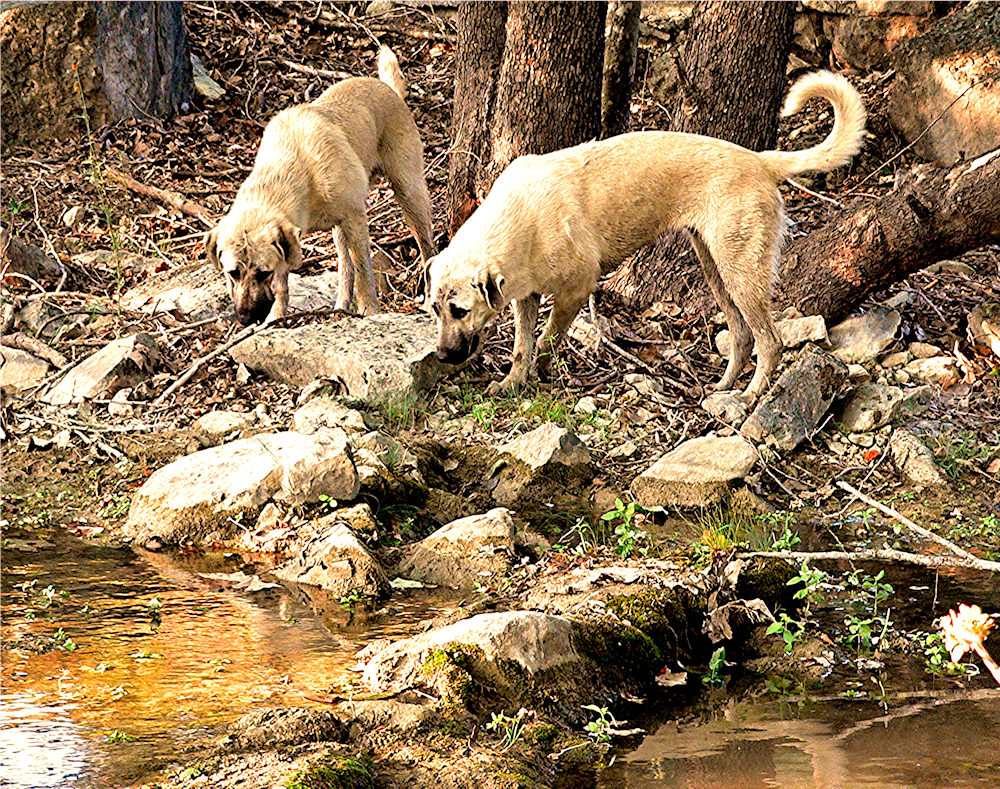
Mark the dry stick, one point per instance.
(906, 521)
(882, 554)
(315, 72)
(37, 347)
(172, 199)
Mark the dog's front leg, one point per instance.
(525, 318)
(279, 285)
(563, 312)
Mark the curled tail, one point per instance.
(390, 72)
(848, 126)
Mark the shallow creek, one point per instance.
(165, 678)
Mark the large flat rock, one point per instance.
(207, 494)
(382, 357)
(119, 364)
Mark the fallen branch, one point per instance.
(905, 521)
(37, 347)
(881, 555)
(172, 199)
(316, 72)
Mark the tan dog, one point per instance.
(312, 172)
(554, 224)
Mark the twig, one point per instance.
(37, 347)
(905, 521)
(172, 199)
(881, 555)
(830, 200)
(315, 72)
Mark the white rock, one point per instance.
(547, 444)
(861, 339)
(20, 369)
(121, 363)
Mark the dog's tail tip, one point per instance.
(390, 72)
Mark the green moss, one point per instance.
(335, 772)
(452, 728)
(449, 669)
(663, 615)
(544, 734)
(767, 578)
(622, 652)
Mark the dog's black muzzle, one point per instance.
(462, 353)
(258, 314)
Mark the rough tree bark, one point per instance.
(620, 50)
(732, 86)
(931, 215)
(545, 95)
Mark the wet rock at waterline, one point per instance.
(205, 495)
(696, 473)
(383, 358)
(119, 364)
(792, 409)
(264, 729)
(478, 548)
(337, 561)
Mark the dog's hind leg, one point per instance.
(525, 319)
(410, 188)
(345, 283)
(564, 310)
(356, 234)
(741, 338)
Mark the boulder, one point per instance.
(327, 412)
(869, 407)
(695, 474)
(793, 408)
(216, 425)
(204, 496)
(122, 363)
(20, 369)
(946, 90)
(865, 42)
(941, 370)
(546, 462)
(913, 460)
(861, 339)
(476, 548)
(382, 358)
(336, 560)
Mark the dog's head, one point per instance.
(465, 298)
(255, 258)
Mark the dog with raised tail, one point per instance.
(554, 224)
(312, 172)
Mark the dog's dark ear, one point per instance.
(492, 290)
(424, 284)
(290, 246)
(212, 248)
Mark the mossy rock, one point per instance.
(767, 578)
(670, 617)
(335, 772)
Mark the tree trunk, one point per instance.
(620, 50)
(547, 89)
(481, 36)
(933, 214)
(142, 51)
(732, 86)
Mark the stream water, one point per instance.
(88, 665)
(102, 689)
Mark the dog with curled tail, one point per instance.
(554, 224)
(312, 172)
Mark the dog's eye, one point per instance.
(458, 312)
(234, 274)
(262, 276)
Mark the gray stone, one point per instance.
(218, 424)
(206, 494)
(897, 359)
(542, 465)
(727, 407)
(792, 331)
(477, 548)
(948, 105)
(120, 364)
(387, 357)
(337, 561)
(546, 445)
(861, 339)
(869, 407)
(941, 370)
(327, 413)
(913, 460)
(924, 350)
(793, 408)
(695, 474)
(204, 85)
(20, 369)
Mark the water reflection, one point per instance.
(163, 676)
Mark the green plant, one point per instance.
(399, 411)
(789, 629)
(863, 620)
(601, 729)
(509, 728)
(937, 660)
(958, 451)
(118, 736)
(628, 536)
(811, 581)
(716, 664)
(584, 535)
(784, 686)
(349, 599)
(116, 506)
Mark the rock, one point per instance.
(727, 407)
(865, 42)
(793, 408)
(924, 350)
(858, 374)
(913, 460)
(445, 507)
(393, 455)
(941, 370)
(204, 85)
(382, 358)
(477, 548)
(862, 338)
(219, 424)
(120, 405)
(586, 405)
(73, 217)
(381, 714)
(792, 331)
(950, 101)
(626, 450)
(199, 292)
(949, 267)
(205, 495)
(897, 359)
(694, 474)
(265, 729)
(546, 445)
(984, 326)
(121, 363)
(869, 407)
(20, 369)
(337, 561)
(327, 413)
